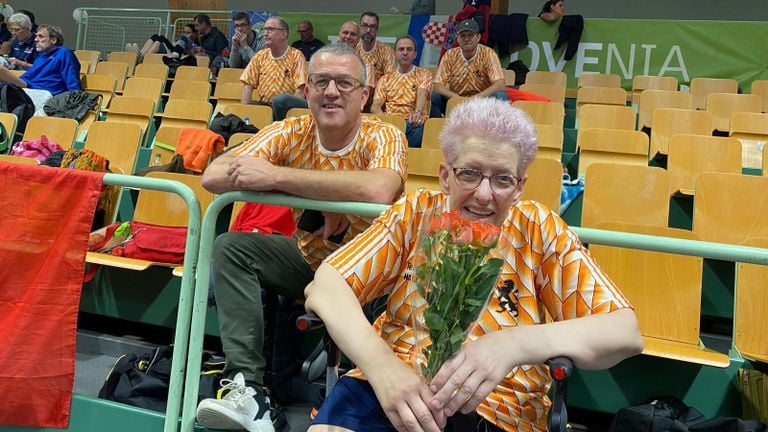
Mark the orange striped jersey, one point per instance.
(381, 58)
(294, 142)
(398, 91)
(469, 77)
(270, 76)
(547, 275)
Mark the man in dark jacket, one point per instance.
(212, 40)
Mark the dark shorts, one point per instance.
(352, 404)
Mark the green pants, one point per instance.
(243, 265)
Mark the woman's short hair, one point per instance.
(491, 120)
(20, 20)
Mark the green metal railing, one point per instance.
(587, 235)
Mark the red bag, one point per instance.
(154, 243)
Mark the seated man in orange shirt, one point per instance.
(498, 377)
(469, 69)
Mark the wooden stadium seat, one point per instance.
(665, 291)
(90, 57)
(117, 70)
(599, 80)
(730, 208)
(18, 159)
(165, 143)
(555, 93)
(760, 88)
(547, 78)
(228, 75)
(652, 99)
(691, 155)
(150, 88)
(297, 112)
(545, 178)
(550, 140)
(153, 58)
(150, 70)
(158, 208)
(101, 84)
(127, 57)
(118, 142)
(238, 138)
(432, 128)
(192, 73)
(138, 111)
(751, 129)
(393, 119)
(190, 90)
(627, 194)
(651, 82)
(187, 113)
(599, 96)
(509, 77)
(9, 122)
(423, 169)
(605, 117)
(722, 105)
(203, 60)
(227, 93)
(258, 115)
(62, 131)
(669, 121)
(550, 113)
(702, 87)
(622, 147)
(750, 319)
(452, 102)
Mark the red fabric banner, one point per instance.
(45, 219)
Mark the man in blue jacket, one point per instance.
(56, 68)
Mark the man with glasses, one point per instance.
(378, 56)
(245, 42)
(551, 299)
(307, 42)
(276, 75)
(405, 92)
(469, 69)
(212, 40)
(333, 154)
(23, 51)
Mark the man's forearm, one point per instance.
(215, 178)
(379, 185)
(247, 97)
(495, 86)
(443, 90)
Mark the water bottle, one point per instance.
(247, 120)
(156, 160)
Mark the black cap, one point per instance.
(468, 25)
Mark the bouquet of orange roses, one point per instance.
(455, 276)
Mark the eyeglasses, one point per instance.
(368, 27)
(469, 178)
(272, 29)
(345, 84)
(14, 29)
(302, 31)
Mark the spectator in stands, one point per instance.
(23, 52)
(56, 68)
(184, 45)
(245, 41)
(405, 91)
(277, 74)
(552, 10)
(349, 33)
(378, 56)
(419, 7)
(212, 40)
(498, 378)
(334, 154)
(307, 43)
(5, 37)
(469, 69)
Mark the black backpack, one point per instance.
(14, 100)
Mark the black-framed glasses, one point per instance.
(345, 84)
(469, 178)
(368, 27)
(272, 29)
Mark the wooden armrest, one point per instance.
(687, 193)
(684, 352)
(122, 262)
(178, 271)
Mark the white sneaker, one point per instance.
(242, 407)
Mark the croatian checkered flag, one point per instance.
(435, 33)
(450, 37)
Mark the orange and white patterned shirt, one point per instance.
(381, 59)
(469, 77)
(547, 275)
(398, 91)
(294, 142)
(270, 76)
